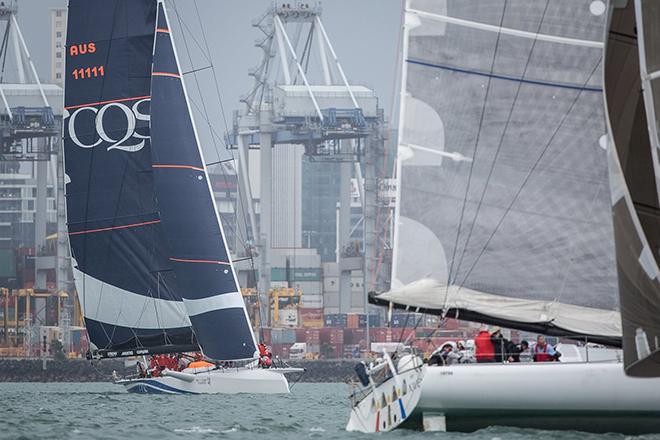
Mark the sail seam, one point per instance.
(504, 77)
(132, 225)
(190, 167)
(187, 260)
(91, 104)
(173, 75)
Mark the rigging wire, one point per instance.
(500, 144)
(394, 95)
(215, 78)
(245, 242)
(574, 245)
(203, 111)
(474, 155)
(536, 163)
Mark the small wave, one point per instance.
(197, 430)
(234, 428)
(316, 429)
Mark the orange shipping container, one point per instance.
(311, 317)
(353, 320)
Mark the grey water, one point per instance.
(105, 411)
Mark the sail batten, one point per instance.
(504, 30)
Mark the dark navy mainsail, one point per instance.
(124, 275)
(189, 217)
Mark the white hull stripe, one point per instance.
(230, 300)
(506, 31)
(112, 305)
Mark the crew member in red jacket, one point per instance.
(484, 351)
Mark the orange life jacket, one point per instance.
(200, 364)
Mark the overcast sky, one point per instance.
(364, 34)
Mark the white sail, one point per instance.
(503, 176)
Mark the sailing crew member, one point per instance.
(544, 352)
(525, 354)
(484, 351)
(501, 346)
(265, 356)
(463, 353)
(436, 358)
(141, 370)
(183, 362)
(449, 356)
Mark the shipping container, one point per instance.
(380, 334)
(312, 301)
(308, 335)
(309, 287)
(430, 321)
(283, 336)
(331, 351)
(355, 336)
(336, 320)
(281, 350)
(311, 317)
(404, 320)
(374, 320)
(352, 320)
(403, 334)
(331, 335)
(351, 351)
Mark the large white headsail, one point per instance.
(503, 173)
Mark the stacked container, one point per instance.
(336, 320)
(283, 336)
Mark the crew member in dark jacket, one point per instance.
(501, 345)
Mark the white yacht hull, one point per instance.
(386, 405)
(583, 396)
(219, 381)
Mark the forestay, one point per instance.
(504, 211)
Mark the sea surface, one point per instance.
(105, 411)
